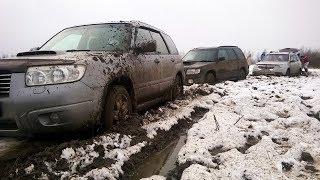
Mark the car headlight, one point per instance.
(44, 75)
(193, 71)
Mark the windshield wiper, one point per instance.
(34, 53)
(77, 50)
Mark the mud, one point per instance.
(134, 168)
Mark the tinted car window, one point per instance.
(143, 35)
(222, 54)
(205, 55)
(161, 46)
(239, 53)
(231, 54)
(172, 47)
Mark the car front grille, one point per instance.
(5, 79)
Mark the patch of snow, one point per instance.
(155, 177)
(29, 169)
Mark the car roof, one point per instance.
(133, 23)
(281, 53)
(209, 48)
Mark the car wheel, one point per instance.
(242, 74)
(118, 106)
(177, 89)
(288, 73)
(210, 78)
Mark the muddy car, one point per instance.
(280, 64)
(210, 65)
(90, 75)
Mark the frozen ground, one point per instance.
(259, 128)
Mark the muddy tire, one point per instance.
(210, 78)
(118, 107)
(177, 89)
(288, 73)
(242, 74)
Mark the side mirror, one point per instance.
(221, 58)
(147, 46)
(35, 49)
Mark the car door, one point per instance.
(222, 71)
(146, 70)
(233, 63)
(293, 64)
(164, 63)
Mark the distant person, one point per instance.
(305, 62)
(262, 56)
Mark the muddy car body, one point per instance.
(210, 65)
(69, 86)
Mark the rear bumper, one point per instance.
(47, 109)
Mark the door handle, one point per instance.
(157, 61)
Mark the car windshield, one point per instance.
(276, 57)
(102, 37)
(200, 55)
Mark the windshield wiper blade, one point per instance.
(33, 53)
(77, 50)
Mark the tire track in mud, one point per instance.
(160, 142)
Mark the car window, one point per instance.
(239, 53)
(143, 35)
(222, 53)
(231, 54)
(161, 46)
(197, 55)
(172, 47)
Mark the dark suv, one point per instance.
(88, 75)
(209, 65)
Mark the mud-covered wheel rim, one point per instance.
(177, 88)
(210, 79)
(118, 107)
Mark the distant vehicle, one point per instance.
(88, 75)
(280, 63)
(210, 65)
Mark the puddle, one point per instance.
(162, 162)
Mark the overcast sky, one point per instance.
(250, 24)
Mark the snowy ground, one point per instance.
(264, 128)
(258, 128)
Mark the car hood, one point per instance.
(21, 63)
(194, 65)
(272, 63)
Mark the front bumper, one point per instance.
(194, 79)
(47, 109)
(257, 72)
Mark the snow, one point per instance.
(262, 127)
(29, 169)
(116, 147)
